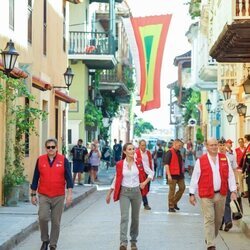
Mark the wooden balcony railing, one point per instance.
(241, 9)
(89, 43)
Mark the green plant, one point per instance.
(93, 116)
(20, 118)
(199, 135)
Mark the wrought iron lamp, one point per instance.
(227, 92)
(68, 78)
(208, 105)
(9, 57)
(241, 109)
(98, 100)
(230, 118)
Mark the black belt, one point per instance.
(216, 191)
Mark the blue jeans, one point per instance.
(159, 169)
(227, 213)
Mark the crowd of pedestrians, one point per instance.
(218, 175)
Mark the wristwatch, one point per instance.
(191, 194)
(33, 194)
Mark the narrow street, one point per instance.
(93, 225)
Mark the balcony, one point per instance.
(112, 81)
(208, 70)
(230, 31)
(95, 49)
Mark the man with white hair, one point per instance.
(212, 176)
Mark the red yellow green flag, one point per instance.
(150, 35)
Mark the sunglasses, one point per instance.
(51, 147)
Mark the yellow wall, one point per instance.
(49, 67)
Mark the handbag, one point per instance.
(236, 210)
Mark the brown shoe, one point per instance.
(147, 207)
(211, 248)
(45, 245)
(228, 226)
(123, 247)
(133, 246)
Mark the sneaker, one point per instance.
(147, 207)
(133, 246)
(171, 210)
(52, 248)
(45, 245)
(80, 184)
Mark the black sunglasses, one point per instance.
(49, 147)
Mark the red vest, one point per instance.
(138, 154)
(174, 166)
(119, 176)
(205, 184)
(239, 155)
(52, 180)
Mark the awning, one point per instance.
(64, 97)
(75, 1)
(40, 84)
(15, 73)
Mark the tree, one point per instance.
(142, 127)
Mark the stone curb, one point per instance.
(19, 237)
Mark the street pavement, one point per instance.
(94, 225)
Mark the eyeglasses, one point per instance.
(49, 147)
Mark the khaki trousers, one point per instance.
(174, 197)
(50, 209)
(129, 197)
(213, 212)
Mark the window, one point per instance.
(30, 21)
(11, 14)
(64, 26)
(27, 134)
(69, 136)
(44, 27)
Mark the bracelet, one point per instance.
(32, 194)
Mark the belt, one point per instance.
(130, 188)
(216, 191)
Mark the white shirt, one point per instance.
(232, 159)
(216, 176)
(130, 176)
(146, 166)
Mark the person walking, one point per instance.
(212, 176)
(159, 161)
(117, 151)
(225, 147)
(198, 150)
(50, 175)
(239, 151)
(129, 185)
(145, 156)
(79, 153)
(94, 161)
(106, 155)
(175, 175)
(246, 165)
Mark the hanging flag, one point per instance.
(150, 35)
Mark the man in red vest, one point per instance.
(145, 156)
(212, 177)
(175, 175)
(51, 174)
(239, 151)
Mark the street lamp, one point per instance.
(229, 118)
(241, 109)
(68, 78)
(98, 100)
(9, 57)
(227, 92)
(208, 105)
(246, 85)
